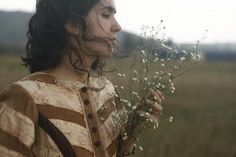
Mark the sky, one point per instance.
(185, 20)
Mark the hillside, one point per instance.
(13, 27)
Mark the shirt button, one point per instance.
(94, 129)
(90, 115)
(86, 102)
(84, 89)
(97, 143)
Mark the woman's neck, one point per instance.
(66, 71)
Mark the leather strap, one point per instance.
(57, 136)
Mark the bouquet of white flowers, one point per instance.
(154, 65)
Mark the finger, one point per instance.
(149, 102)
(161, 95)
(156, 96)
(144, 114)
(155, 108)
(147, 116)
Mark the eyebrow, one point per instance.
(110, 8)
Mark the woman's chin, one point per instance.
(105, 53)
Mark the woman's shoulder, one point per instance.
(15, 99)
(43, 90)
(15, 90)
(28, 84)
(101, 82)
(30, 87)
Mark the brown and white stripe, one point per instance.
(20, 134)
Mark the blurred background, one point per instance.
(204, 105)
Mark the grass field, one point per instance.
(10, 70)
(204, 111)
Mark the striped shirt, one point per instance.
(88, 117)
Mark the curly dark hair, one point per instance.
(48, 38)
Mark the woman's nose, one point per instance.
(116, 27)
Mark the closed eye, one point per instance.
(106, 16)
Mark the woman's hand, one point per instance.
(149, 113)
(156, 102)
(151, 107)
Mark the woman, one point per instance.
(65, 106)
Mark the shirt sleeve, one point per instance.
(18, 116)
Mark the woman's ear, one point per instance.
(72, 28)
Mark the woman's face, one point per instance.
(102, 24)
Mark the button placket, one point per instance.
(86, 102)
(90, 116)
(94, 129)
(92, 123)
(97, 143)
